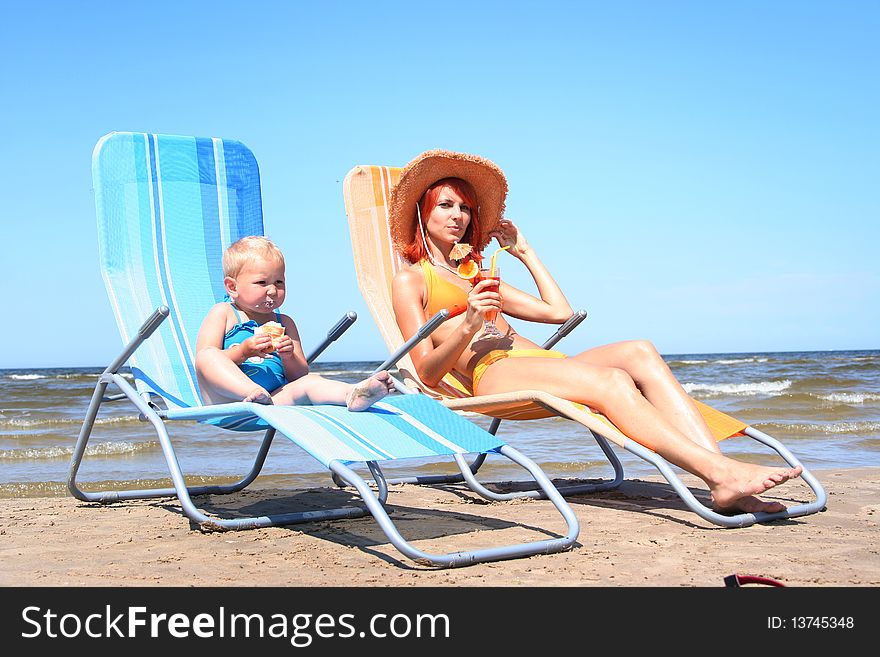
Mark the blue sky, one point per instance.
(705, 175)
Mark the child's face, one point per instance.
(259, 286)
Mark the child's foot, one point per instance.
(737, 492)
(369, 391)
(259, 396)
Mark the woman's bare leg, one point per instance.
(612, 391)
(657, 383)
(222, 381)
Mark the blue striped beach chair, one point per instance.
(167, 207)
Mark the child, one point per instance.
(236, 360)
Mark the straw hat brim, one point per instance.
(487, 179)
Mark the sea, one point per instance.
(823, 405)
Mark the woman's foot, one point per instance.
(736, 491)
(259, 396)
(751, 504)
(369, 391)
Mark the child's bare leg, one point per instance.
(311, 389)
(221, 380)
(369, 391)
(315, 389)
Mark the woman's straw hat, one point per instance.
(429, 167)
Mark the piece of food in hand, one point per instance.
(274, 330)
(460, 250)
(467, 269)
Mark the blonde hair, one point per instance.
(246, 250)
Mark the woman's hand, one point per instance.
(507, 234)
(483, 297)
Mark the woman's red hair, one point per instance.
(415, 250)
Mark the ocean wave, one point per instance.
(857, 398)
(92, 376)
(80, 376)
(822, 428)
(21, 423)
(364, 373)
(736, 361)
(68, 376)
(58, 452)
(688, 362)
(738, 389)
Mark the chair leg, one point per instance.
(180, 489)
(464, 558)
(473, 467)
(112, 496)
(741, 519)
(540, 493)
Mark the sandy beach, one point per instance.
(638, 535)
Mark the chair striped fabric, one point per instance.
(167, 208)
(366, 193)
(399, 427)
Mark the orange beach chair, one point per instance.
(367, 191)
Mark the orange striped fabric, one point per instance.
(722, 425)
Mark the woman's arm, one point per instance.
(552, 307)
(433, 361)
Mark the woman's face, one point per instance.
(449, 218)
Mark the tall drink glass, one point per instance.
(489, 329)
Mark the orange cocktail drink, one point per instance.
(486, 274)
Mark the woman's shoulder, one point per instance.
(409, 274)
(408, 280)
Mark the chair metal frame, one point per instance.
(375, 501)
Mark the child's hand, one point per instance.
(259, 345)
(284, 346)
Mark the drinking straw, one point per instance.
(495, 255)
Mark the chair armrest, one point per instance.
(333, 334)
(424, 331)
(565, 329)
(145, 331)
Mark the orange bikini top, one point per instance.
(440, 293)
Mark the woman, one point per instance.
(444, 199)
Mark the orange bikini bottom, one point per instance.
(500, 354)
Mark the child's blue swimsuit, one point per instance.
(270, 373)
